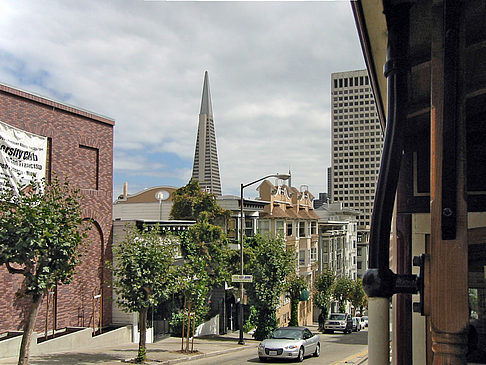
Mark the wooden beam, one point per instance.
(448, 252)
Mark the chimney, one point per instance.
(125, 190)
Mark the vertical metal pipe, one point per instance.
(379, 280)
(242, 222)
(378, 331)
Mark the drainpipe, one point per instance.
(379, 282)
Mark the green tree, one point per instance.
(190, 201)
(295, 285)
(270, 263)
(143, 273)
(323, 291)
(358, 296)
(342, 292)
(41, 232)
(206, 252)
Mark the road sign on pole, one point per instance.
(242, 278)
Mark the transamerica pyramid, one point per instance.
(206, 168)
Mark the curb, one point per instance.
(202, 356)
(194, 357)
(363, 360)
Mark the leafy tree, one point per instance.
(143, 273)
(323, 290)
(295, 285)
(270, 263)
(41, 233)
(190, 201)
(358, 296)
(342, 292)
(206, 251)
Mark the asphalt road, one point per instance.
(335, 349)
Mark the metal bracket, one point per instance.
(419, 261)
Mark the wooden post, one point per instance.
(448, 241)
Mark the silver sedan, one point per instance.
(289, 343)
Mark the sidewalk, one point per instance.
(163, 352)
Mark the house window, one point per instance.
(301, 229)
(263, 226)
(313, 227)
(289, 229)
(301, 257)
(313, 254)
(249, 227)
(280, 228)
(232, 228)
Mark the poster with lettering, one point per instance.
(23, 156)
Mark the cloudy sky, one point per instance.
(142, 64)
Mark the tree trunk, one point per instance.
(143, 336)
(28, 329)
(188, 325)
(183, 323)
(193, 331)
(294, 312)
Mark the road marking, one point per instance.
(352, 357)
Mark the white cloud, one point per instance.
(142, 63)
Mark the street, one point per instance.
(335, 349)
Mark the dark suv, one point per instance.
(339, 322)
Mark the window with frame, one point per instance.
(289, 228)
(280, 228)
(249, 227)
(301, 257)
(313, 227)
(301, 229)
(313, 254)
(263, 226)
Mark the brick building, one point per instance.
(80, 147)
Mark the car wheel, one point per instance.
(318, 350)
(263, 359)
(300, 356)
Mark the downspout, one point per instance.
(380, 283)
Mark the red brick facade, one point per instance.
(81, 148)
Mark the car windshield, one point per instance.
(288, 334)
(337, 317)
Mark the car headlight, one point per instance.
(261, 346)
(291, 347)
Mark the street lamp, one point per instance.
(242, 225)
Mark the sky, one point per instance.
(142, 64)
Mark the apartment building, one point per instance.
(291, 215)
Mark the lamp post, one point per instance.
(242, 226)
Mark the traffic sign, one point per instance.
(242, 278)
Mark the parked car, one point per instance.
(339, 322)
(290, 343)
(364, 321)
(356, 324)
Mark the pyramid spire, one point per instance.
(206, 167)
(206, 106)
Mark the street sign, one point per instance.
(242, 278)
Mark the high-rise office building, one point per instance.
(356, 144)
(205, 168)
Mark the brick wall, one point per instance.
(82, 150)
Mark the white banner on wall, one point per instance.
(23, 156)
